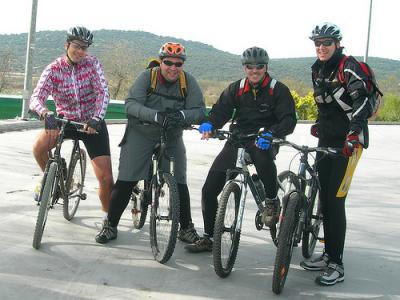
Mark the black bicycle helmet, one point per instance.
(326, 30)
(81, 34)
(255, 56)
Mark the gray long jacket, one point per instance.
(142, 133)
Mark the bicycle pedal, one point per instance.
(83, 196)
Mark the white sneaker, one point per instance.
(316, 264)
(332, 275)
(36, 191)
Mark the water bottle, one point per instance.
(259, 186)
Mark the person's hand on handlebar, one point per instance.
(206, 129)
(50, 124)
(92, 126)
(263, 142)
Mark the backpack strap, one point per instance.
(272, 85)
(341, 77)
(183, 84)
(241, 87)
(153, 81)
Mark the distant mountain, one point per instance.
(204, 61)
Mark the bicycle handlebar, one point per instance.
(305, 148)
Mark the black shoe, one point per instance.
(204, 244)
(107, 233)
(188, 235)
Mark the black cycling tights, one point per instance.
(331, 172)
(121, 194)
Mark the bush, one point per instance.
(306, 108)
(390, 109)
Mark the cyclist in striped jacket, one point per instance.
(77, 84)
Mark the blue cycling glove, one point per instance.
(205, 127)
(264, 141)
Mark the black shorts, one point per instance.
(96, 144)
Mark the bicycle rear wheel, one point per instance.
(74, 184)
(164, 218)
(226, 239)
(49, 189)
(285, 242)
(140, 199)
(312, 226)
(288, 182)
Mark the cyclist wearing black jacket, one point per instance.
(342, 123)
(259, 101)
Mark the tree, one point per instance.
(5, 68)
(120, 69)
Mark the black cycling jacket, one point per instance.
(342, 108)
(262, 107)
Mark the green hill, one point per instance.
(133, 48)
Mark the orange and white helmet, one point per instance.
(172, 50)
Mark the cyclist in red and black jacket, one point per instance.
(258, 101)
(342, 123)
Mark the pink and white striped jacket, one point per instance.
(80, 91)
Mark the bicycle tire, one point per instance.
(74, 184)
(140, 204)
(45, 204)
(164, 218)
(226, 239)
(289, 182)
(312, 226)
(285, 244)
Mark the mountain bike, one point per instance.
(301, 215)
(61, 181)
(228, 223)
(160, 190)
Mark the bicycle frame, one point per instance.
(308, 189)
(244, 180)
(56, 156)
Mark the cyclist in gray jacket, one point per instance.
(149, 108)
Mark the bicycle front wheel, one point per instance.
(74, 184)
(288, 182)
(285, 242)
(164, 218)
(140, 199)
(312, 226)
(226, 238)
(45, 199)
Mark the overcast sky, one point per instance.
(281, 27)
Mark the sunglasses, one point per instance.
(252, 67)
(170, 63)
(78, 46)
(326, 43)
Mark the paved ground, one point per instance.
(70, 265)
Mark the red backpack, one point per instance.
(374, 94)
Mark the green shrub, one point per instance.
(390, 109)
(306, 108)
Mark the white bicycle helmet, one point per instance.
(326, 30)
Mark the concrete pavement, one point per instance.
(71, 265)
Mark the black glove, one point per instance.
(95, 124)
(175, 120)
(50, 122)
